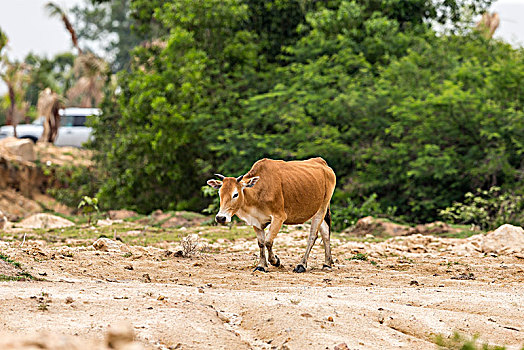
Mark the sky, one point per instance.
(30, 29)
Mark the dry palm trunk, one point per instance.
(48, 106)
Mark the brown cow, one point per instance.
(277, 192)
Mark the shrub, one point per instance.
(347, 212)
(487, 209)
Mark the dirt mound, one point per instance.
(119, 337)
(43, 220)
(507, 239)
(15, 206)
(51, 154)
(121, 214)
(381, 227)
(21, 149)
(24, 181)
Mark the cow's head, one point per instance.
(231, 191)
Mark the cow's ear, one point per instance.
(251, 182)
(214, 183)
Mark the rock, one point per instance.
(108, 222)
(120, 336)
(507, 239)
(373, 226)
(44, 220)
(146, 278)
(69, 300)
(464, 277)
(342, 346)
(3, 220)
(121, 214)
(23, 149)
(108, 245)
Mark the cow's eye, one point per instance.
(235, 195)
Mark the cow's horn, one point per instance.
(221, 177)
(240, 178)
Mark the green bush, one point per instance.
(347, 212)
(487, 209)
(72, 183)
(417, 117)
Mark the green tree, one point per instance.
(397, 110)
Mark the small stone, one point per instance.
(341, 346)
(69, 300)
(305, 314)
(146, 278)
(128, 267)
(223, 317)
(330, 319)
(119, 335)
(413, 283)
(160, 297)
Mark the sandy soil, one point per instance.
(215, 301)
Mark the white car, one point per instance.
(72, 130)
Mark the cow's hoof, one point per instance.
(326, 267)
(299, 269)
(277, 264)
(259, 268)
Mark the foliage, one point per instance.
(210, 192)
(73, 183)
(89, 206)
(359, 256)
(3, 40)
(53, 73)
(346, 211)
(461, 342)
(487, 209)
(418, 119)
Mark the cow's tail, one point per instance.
(327, 219)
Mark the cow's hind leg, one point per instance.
(313, 234)
(325, 232)
(261, 237)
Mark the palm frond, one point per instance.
(55, 11)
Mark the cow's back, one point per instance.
(299, 187)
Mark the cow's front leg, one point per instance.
(276, 224)
(261, 237)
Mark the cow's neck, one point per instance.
(252, 216)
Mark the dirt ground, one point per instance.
(392, 298)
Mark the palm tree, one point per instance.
(16, 77)
(88, 89)
(89, 69)
(55, 11)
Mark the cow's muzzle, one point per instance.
(220, 219)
